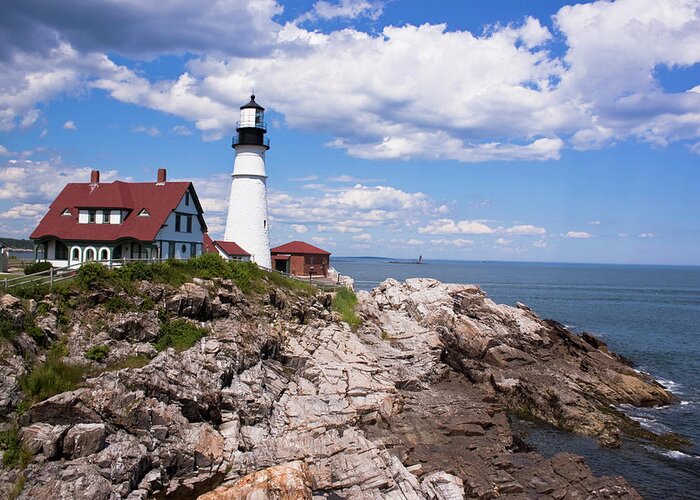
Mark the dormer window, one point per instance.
(143, 213)
(92, 216)
(187, 198)
(66, 212)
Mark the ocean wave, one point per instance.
(650, 424)
(670, 385)
(674, 454)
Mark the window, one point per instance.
(171, 250)
(92, 215)
(193, 249)
(104, 254)
(183, 249)
(89, 254)
(76, 254)
(189, 223)
(105, 216)
(61, 252)
(143, 213)
(66, 212)
(177, 223)
(187, 198)
(138, 252)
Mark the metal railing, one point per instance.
(248, 124)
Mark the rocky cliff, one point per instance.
(281, 399)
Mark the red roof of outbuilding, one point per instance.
(207, 244)
(299, 247)
(159, 200)
(231, 248)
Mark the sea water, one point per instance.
(650, 314)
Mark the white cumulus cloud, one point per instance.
(578, 235)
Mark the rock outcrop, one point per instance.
(282, 400)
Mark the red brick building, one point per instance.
(300, 259)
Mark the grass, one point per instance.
(52, 376)
(97, 353)
(344, 303)
(14, 454)
(179, 335)
(290, 283)
(130, 362)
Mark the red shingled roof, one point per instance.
(299, 247)
(231, 248)
(159, 200)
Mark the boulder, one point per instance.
(290, 481)
(43, 438)
(82, 440)
(135, 326)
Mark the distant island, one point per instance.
(17, 244)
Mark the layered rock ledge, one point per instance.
(283, 400)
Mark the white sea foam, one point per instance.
(669, 385)
(678, 455)
(650, 424)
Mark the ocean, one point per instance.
(650, 314)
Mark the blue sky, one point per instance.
(501, 130)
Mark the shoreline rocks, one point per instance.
(282, 400)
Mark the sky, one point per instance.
(488, 130)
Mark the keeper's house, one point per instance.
(121, 220)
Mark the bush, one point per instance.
(9, 329)
(91, 274)
(247, 276)
(14, 453)
(117, 303)
(50, 378)
(37, 267)
(211, 265)
(97, 353)
(179, 335)
(344, 302)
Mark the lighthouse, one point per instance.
(247, 222)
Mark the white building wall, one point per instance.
(247, 223)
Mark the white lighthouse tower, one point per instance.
(247, 222)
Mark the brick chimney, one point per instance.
(162, 174)
(95, 177)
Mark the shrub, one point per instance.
(211, 265)
(91, 274)
(36, 291)
(117, 303)
(14, 453)
(179, 335)
(344, 302)
(97, 353)
(37, 267)
(9, 329)
(247, 276)
(50, 378)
